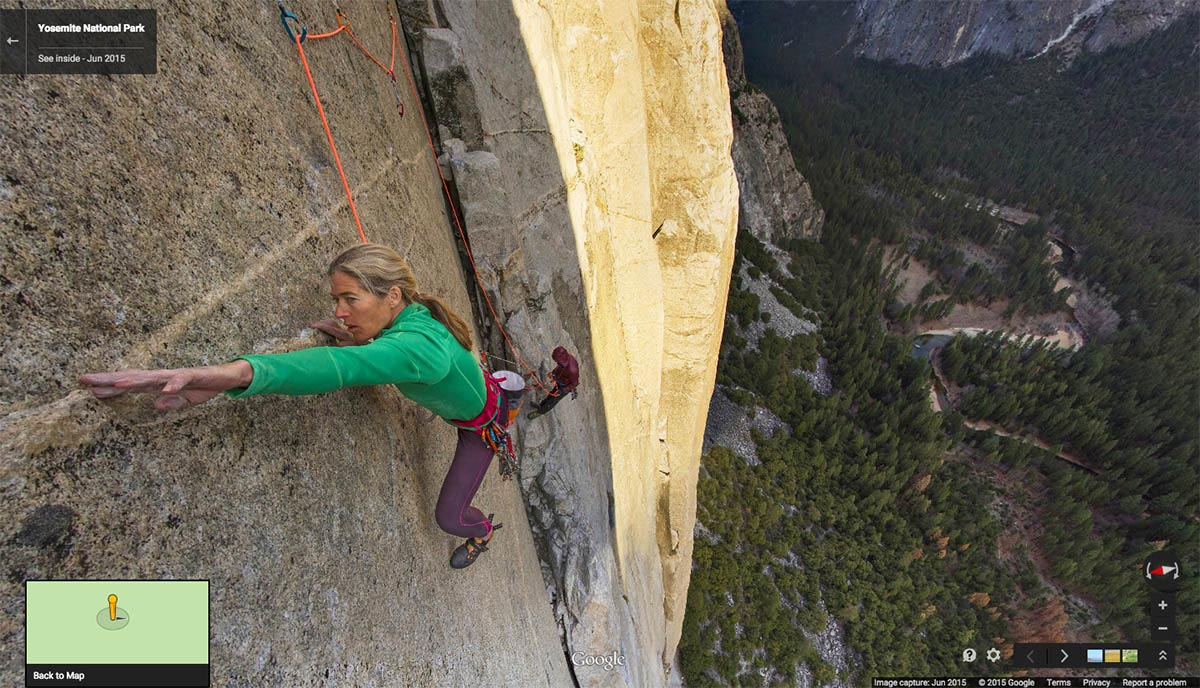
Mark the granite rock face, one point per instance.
(185, 218)
(774, 200)
(938, 34)
(601, 206)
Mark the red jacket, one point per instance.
(567, 372)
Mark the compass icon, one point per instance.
(1162, 571)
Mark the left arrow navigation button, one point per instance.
(12, 42)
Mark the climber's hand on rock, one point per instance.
(105, 385)
(333, 328)
(175, 388)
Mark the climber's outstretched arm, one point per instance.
(176, 388)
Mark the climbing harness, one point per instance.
(344, 26)
(492, 426)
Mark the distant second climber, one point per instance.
(566, 379)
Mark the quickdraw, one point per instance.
(498, 440)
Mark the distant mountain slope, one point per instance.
(774, 200)
(944, 33)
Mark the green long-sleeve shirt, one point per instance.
(416, 353)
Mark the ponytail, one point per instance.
(443, 314)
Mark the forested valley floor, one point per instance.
(916, 533)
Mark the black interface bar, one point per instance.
(1033, 682)
(1093, 655)
(159, 675)
(78, 41)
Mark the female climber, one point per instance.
(390, 333)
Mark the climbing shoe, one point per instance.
(466, 553)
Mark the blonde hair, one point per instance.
(378, 268)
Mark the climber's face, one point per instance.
(364, 314)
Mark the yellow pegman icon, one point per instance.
(112, 607)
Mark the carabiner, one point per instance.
(284, 16)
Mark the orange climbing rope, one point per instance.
(331, 33)
(344, 25)
(284, 16)
(329, 135)
(343, 22)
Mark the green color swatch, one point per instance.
(150, 622)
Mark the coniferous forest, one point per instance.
(1024, 511)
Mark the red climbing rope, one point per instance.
(344, 25)
(331, 33)
(328, 134)
(390, 70)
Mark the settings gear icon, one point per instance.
(993, 655)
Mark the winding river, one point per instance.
(926, 346)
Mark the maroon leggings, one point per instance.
(455, 515)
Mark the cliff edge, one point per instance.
(774, 200)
